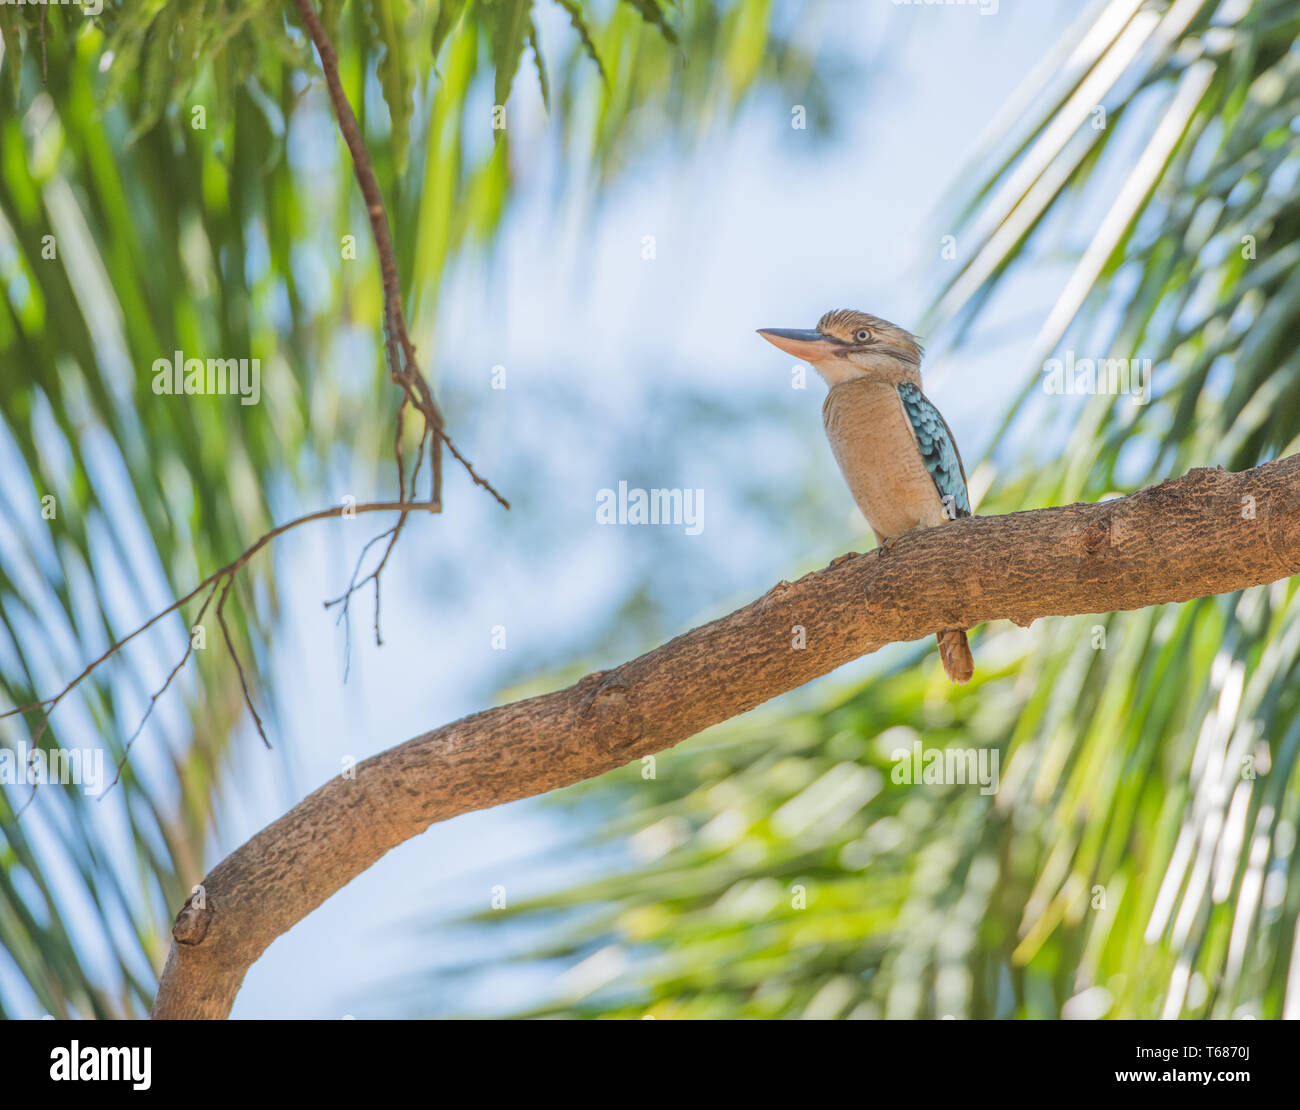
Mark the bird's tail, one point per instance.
(956, 656)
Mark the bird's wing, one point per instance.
(937, 446)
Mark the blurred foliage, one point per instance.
(174, 182)
(1139, 858)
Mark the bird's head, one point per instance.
(847, 344)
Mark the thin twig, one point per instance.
(215, 576)
(230, 644)
(399, 351)
(346, 597)
(189, 650)
(478, 481)
(403, 366)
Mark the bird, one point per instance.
(894, 448)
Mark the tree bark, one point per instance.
(1209, 532)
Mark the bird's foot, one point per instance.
(885, 546)
(842, 559)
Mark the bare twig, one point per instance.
(239, 667)
(214, 578)
(345, 599)
(398, 348)
(478, 481)
(399, 351)
(189, 650)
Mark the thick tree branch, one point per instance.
(1208, 532)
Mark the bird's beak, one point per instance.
(810, 346)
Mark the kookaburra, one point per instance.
(895, 450)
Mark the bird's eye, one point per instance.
(862, 335)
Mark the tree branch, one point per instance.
(398, 348)
(1208, 532)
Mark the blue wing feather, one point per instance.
(938, 448)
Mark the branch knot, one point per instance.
(612, 716)
(192, 922)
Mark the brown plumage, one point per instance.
(876, 453)
(845, 323)
(893, 447)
